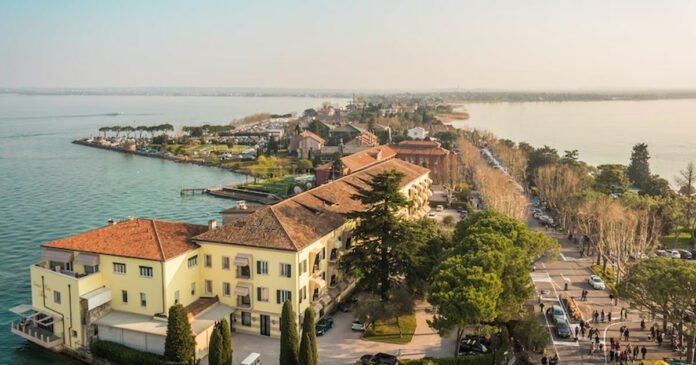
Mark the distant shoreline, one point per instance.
(172, 158)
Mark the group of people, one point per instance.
(627, 355)
(600, 316)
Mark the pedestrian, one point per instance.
(541, 305)
(582, 331)
(577, 330)
(642, 324)
(595, 315)
(602, 316)
(659, 338)
(652, 332)
(596, 338)
(626, 334)
(611, 355)
(617, 356)
(582, 324)
(592, 348)
(609, 317)
(623, 357)
(643, 351)
(635, 352)
(544, 360)
(601, 348)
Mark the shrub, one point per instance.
(448, 221)
(179, 344)
(608, 278)
(125, 355)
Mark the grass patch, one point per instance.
(388, 331)
(682, 241)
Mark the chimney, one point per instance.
(212, 224)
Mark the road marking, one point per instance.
(564, 258)
(565, 278)
(541, 277)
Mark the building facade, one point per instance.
(117, 282)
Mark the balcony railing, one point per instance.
(45, 265)
(36, 335)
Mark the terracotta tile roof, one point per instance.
(362, 159)
(311, 135)
(138, 238)
(249, 208)
(419, 148)
(298, 221)
(363, 139)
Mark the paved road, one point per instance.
(550, 278)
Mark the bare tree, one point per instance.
(685, 182)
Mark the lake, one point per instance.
(602, 131)
(52, 188)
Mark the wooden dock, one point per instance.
(232, 192)
(193, 190)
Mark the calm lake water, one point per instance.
(602, 131)
(51, 188)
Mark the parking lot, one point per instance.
(341, 345)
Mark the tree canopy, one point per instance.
(638, 170)
(179, 345)
(289, 344)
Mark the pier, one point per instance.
(193, 190)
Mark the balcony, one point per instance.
(37, 335)
(62, 270)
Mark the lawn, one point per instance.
(387, 331)
(682, 241)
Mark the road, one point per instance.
(550, 278)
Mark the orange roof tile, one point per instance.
(309, 134)
(138, 238)
(300, 220)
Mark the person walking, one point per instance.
(643, 351)
(541, 305)
(595, 315)
(544, 360)
(659, 338)
(626, 333)
(602, 315)
(611, 354)
(609, 317)
(652, 332)
(582, 331)
(577, 330)
(636, 350)
(642, 324)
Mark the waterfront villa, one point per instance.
(117, 282)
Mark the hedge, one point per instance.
(608, 277)
(125, 355)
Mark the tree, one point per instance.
(141, 129)
(104, 130)
(288, 336)
(179, 345)
(462, 296)
(611, 179)
(657, 186)
(308, 345)
(337, 166)
(531, 333)
(638, 170)
(387, 241)
(309, 113)
(226, 336)
(216, 353)
(661, 285)
(304, 165)
(272, 147)
(685, 182)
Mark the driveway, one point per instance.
(341, 345)
(439, 216)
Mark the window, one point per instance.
(225, 263)
(262, 294)
(119, 268)
(303, 294)
(243, 272)
(282, 296)
(334, 254)
(226, 289)
(193, 261)
(333, 280)
(91, 269)
(208, 261)
(56, 296)
(143, 300)
(176, 297)
(246, 319)
(124, 297)
(323, 253)
(208, 286)
(286, 270)
(193, 288)
(145, 272)
(262, 267)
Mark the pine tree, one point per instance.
(216, 352)
(308, 346)
(226, 341)
(639, 169)
(179, 345)
(288, 336)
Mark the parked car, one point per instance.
(674, 254)
(473, 345)
(379, 358)
(685, 254)
(463, 214)
(357, 326)
(596, 282)
(555, 313)
(439, 208)
(323, 325)
(460, 209)
(562, 329)
(661, 253)
(345, 307)
(432, 215)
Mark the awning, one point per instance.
(337, 243)
(97, 297)
(318, 282)
(87, 259)
(242, 259)
(22, 310)
(325, 300)
(56, 255)
(241, 290)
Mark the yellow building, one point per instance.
(117, 282)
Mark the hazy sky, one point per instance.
(372, 44)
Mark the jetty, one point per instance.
(233, 192)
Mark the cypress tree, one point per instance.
(179, 345)
(308, 346)
(288, 336)
(216, 353)
(226, 341)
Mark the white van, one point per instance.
(254, 358)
